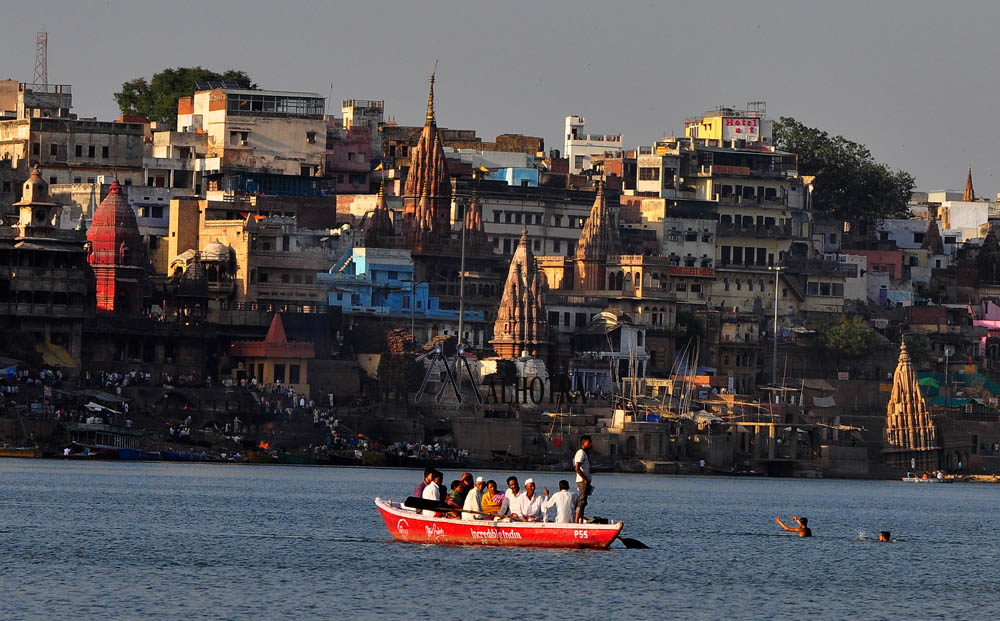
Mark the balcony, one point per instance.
(776, 231)
(742, 201)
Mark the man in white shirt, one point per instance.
(473, 501)
(581, 463)
(433, 489)
(509, 497)
(528, 505)
(563, 501)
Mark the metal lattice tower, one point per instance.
(42, 58)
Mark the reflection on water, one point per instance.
(228, 541)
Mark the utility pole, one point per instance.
(774, 359)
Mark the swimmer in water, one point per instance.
(803, 529)
(884, 536)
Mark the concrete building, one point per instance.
(379, 282)
(581, 146)
(368, 114)
(268, 142)
(42, 131)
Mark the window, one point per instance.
(725, 283)
(279, 373)
(157, 211)
(311, 139)
(263, 276)
(517, 218)
(833, 238)
(824, 288)
(538, 245)
(284, 279)
(77, 180)
(578, 162)
(293, 374)
(555, 245)
(649, 174)
(496, 216)
(737, 254)
(340, 297)
(695, 288)
(53, 149)
(53, 180)
(355, 299)
(950, 239)
(35, 148)
(566, 319)
(838, 290)
(681, 286)
(554, 319)
(297, 279)
(506, 246)
(581, 320)
(558, 221)
(691, 236)
(285, 243)
(91, 150)
(507, 217)
(79, 150)
(105, 152)
(812, 288)
(726, 252)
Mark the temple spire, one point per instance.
(521, 326)
(430, 103)
(599, 240)
(970, 194)
(909, 430)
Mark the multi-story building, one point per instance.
(581, 146)
(379, 282)
(368, 114)
(39, 128)
(257, 141)
(47, 288)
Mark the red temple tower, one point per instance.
(117, 255)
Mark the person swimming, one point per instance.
(803, 529)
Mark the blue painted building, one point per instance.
(379, 282)
(523, 177)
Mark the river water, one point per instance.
(141, 540)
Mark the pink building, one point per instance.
(348, 158)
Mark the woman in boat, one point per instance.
(491, 498)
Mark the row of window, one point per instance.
(517, 217)
(285, 278)
(78, 150)
(510, 244)
(688, 236)
(739, 255)
(829, 289)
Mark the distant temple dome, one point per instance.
(216, 251)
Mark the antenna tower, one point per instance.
(42, 58)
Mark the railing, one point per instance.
(725, 229)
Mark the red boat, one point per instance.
(408, 525)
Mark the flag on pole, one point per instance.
(379, 167)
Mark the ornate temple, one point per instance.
(599, 241)
(988, 260)
(427, 193)
(117, 255)
(379, 229)
(910, 436)
(933, 243)
(970, 194)
(521, 326)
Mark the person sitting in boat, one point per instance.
(454, 497)
(418, 491)
(563, 501)
(528, 506)
(803, 529)
(433, 489)
(467, 485)
(492, 499)
(510, 496)
(473, 501)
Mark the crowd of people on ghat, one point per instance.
(478, 499)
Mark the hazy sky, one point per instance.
(916, 81)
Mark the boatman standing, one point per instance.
(581, 463)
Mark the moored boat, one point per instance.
(927, 480)
(11, 451)
(410, 526)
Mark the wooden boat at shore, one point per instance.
(10, 451)
(412, 527)
(927, 480)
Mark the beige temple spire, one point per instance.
(970, 194)
(908, 425)
(521, 325)
(599, 240)
(427, 192)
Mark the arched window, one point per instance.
(638, 341)
(611, 281)
(628, 282)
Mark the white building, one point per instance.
(580, 146)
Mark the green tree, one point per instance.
(849, 183)
(157, 99)
(851, 338)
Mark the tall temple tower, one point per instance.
(598, 240)
(909, 430)
(380, 229)
(970, 194)
(117, 255)
(521, 325)
(427, 193)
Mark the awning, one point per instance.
(824, 402)
(97, 407)
(817, 384)
(56, 356)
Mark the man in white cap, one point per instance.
(528, 505)
(473, 501)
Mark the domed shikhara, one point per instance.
(216, 251)
(117, 254)
(599, 240)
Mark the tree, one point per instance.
(849, 184)
(157, 99)
(851, 338)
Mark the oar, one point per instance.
(426, 504)
(633, 544)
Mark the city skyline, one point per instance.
(875, 74)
